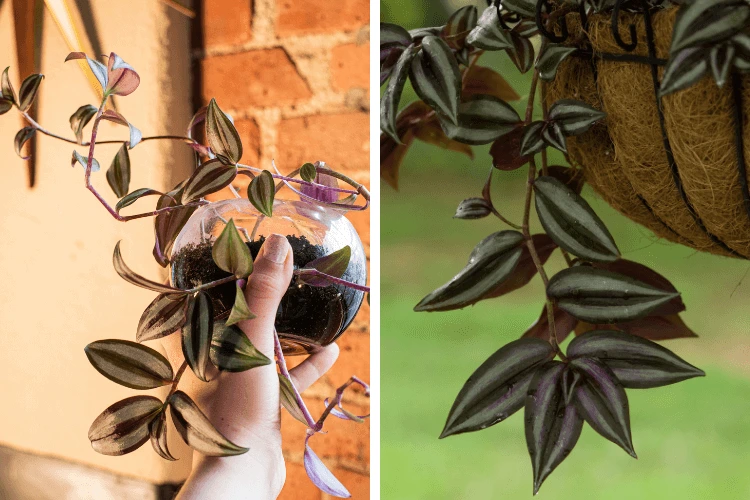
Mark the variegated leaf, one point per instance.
(129, 364)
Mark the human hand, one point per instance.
(244, 406)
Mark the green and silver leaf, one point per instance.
(436, 78)
(551, 59)
(80, 119)
(232, 351)
(223, 138)
(571, 222)
(482, 119)
(197, 431)
(231, 254)
(574, 117)
(599, 296)
(129, 364)
(28, 91)
(392, 95)
(488, 34)
(197, 334)
(261, 193)
(240, 310)
(497, 389)
(490, 264)
(118, 174)
(164, 316)
(124, 426)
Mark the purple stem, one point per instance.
(336, 401)
(300, 181)
(332, 279)
(285, 372)
(46, 132)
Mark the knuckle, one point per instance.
(265, 287)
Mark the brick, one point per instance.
(357, 484)
(257, 78)
(227, 22)
(345, 440)
(341, 140)
(298, 486)
(350, 67)
(353, 360)
(297, 17)
(250, 137)
(360, 219)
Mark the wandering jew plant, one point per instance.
(615, 307)
(210, 304)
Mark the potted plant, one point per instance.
(622, 89)
(210, 247)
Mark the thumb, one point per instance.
(272, 273)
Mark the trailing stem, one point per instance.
(285, 373)
(526, 226)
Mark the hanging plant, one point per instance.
(210, 247)
(628, 92)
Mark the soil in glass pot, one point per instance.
(308, 317)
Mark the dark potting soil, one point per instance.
(306, 314)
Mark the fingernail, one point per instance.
(275, 248)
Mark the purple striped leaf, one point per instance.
(22, 137)
(136, 279)
(497, 389)
(164, 316)
(129, 364)
(210, 177)
(28, 91)
(637, 363)
(601, 400)
(197, 430)
(157, 430)
(222, 136)
(197, 333)
(261, 193)
(123, 427)
(552, 426)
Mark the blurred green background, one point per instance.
(692, 439)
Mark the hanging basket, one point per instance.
(675, 164)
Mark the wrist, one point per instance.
(258, 474)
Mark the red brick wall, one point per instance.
(294, 74)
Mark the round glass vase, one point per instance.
(308, 317)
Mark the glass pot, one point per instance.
(308, 317)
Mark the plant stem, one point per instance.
(332, 279)
(212, 284)
(48, 133)
(336, 401)
(285, 373)
(177, 378)
(303, 182)
(526, 227)
(488, 197)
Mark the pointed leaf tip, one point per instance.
(321, 476)
(497, 389)
(261, 193)
(230, 252)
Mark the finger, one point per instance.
(310, 370)
(272, 273)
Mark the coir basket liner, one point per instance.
(675, 165)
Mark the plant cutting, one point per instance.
(627, 91)
(210, 247)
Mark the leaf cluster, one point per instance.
(616, 308)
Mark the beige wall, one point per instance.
(58, 290)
